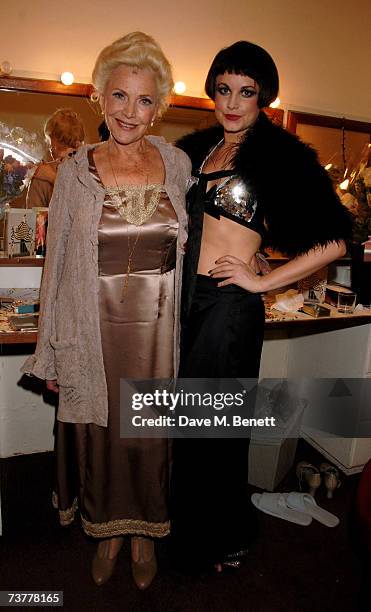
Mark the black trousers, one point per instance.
(211, 514)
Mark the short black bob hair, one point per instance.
(247, 59)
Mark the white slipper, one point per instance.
(275, 505)
(302, 502)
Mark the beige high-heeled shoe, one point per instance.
(104, 561)
(310, 474)
(330, 478)
(143, 561)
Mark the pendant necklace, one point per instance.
(127, 210)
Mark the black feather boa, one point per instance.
(301, 209)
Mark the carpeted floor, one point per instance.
(290, 568)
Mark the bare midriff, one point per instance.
(225, 237)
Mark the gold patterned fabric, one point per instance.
(122, 484)
(135, 203)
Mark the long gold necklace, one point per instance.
(122, 207)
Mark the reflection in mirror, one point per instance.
(180, 121)
(344, 149)
(337, 140)
(30, 111)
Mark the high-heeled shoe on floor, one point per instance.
(143, 561)
(330, 478)
(104, 560)
(306, 472)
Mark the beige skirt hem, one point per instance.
(66, 517)
(112, 528)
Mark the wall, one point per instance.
(322, 48)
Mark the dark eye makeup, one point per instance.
(223, 89)
(246, 92)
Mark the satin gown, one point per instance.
(121, 485)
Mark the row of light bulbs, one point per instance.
(67, 78)
(180, 87)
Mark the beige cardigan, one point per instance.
(69, 347)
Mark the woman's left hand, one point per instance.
(234, 271)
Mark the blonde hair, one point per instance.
(139, 51)
(66, 126)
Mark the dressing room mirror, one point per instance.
(337, 140)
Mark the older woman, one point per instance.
(254, 184)
(109, 306)
(64, 133)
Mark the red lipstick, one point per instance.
(232, 117)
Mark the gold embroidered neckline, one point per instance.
(130, 201)
(130, 187)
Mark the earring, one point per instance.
(94, 96)
(152, 123)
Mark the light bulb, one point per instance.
(6, 68)
(67, 78)
(328, 166)
(180, 87)
(275, 103)
(344, 185)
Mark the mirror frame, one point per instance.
(295, 117)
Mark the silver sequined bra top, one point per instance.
(231, 199)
